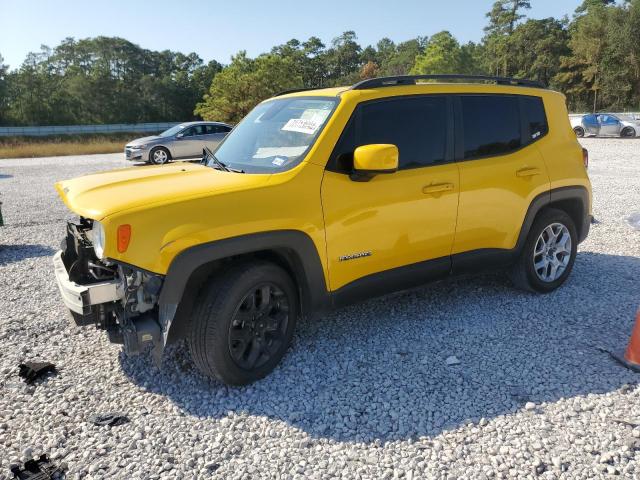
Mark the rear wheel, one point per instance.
(549, 252)
(243, 323)
(159, 156)
(628, 132)
(579, 131)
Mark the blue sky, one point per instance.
(216, 30)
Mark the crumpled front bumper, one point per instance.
(80, 298)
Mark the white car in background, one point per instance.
(606, 125)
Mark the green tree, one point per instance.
(399, 59)
(503, 17)
(536, 48)
(245, 83)
(105, 80)
(581, 71)
(443, 54)
(342, 60)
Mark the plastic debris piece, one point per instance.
(40, 469)
(109, 419)
(31, 371)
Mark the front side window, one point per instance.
(491, 125)
(172, 131)
(608, 120)
(276, 135)
(416, 125)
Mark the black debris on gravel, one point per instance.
(109, 419)
(40, 469)
(31, 371)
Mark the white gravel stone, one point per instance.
(364, 392)
(452, 360)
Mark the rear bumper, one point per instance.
(80, 298)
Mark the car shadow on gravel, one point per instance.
(16, 253)
(378, 372)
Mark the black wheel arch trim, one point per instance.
(314, 294)
(476, 260)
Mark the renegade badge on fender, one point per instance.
(323, 197)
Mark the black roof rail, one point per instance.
(294, 90)
(412, 80)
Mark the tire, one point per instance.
(524, 274)
(628, 132)
(579, 131)
(159, 156)
(231, 322)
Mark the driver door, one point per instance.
(191, 143)
(396, 229)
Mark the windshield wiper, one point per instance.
(220, 165)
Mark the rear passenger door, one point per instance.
(394, 220)
(501, 168)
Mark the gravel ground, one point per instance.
(366, 392)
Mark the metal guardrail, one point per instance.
(84, 129)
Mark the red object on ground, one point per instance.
(632, 355)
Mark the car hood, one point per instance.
(143, 140)
(99, 195)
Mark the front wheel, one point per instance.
(628, 132)
(159, 156)
(243, 322)
(548, 254)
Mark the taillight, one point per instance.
(124, 236)
(585, 157)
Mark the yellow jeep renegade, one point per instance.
(319, 198)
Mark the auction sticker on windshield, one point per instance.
(302, 125)
(308, 123)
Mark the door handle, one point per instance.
(528, 172)
(437, 188)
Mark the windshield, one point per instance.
(172, 131)
(626, 118)
(275, 135)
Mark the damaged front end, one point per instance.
(116, 297)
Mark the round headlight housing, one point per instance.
(97, 237)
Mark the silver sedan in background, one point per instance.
(180, 142)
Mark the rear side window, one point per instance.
(491, 125)
(535, 118)
(216, 129)
(416, 125)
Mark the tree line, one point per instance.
(592, 57)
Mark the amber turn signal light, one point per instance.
(124, 236)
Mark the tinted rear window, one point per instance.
(491, 125)
(535, 117)
(416, 125)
